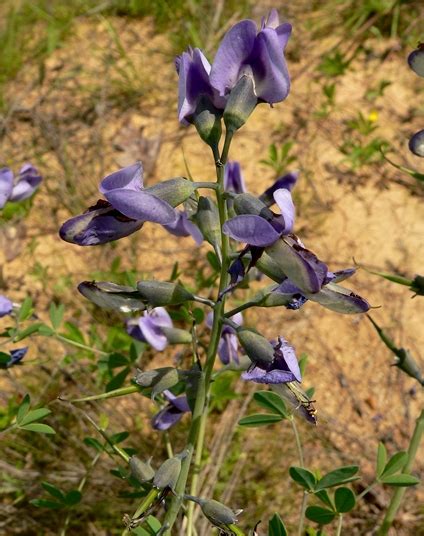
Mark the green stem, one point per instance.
(117, 449)
(196, 469)
(202, 395)
(210, 185)
(240, 308)
(144, 505)
(339, 525)
(366, 490)
(400, 492)
(79, 345)
(302, 464)
(111, 394)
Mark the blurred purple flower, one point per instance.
(148, 328)
(233, 178)
(16, 356)
(284, 367)
(259, 55)
(6, 306)
(171, 413)
(127, 207)
(19, 188)
(193, 69)
(228, 343)
(287, 181)
(184, 227)
(257, 231)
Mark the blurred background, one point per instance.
(87, 87)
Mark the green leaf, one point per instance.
(320, 515)
(4, 358)
(325, 498)
(56, 315)
(303, 477)
(198, 315)
(73, 497)
(271, 401)
(45, 331)
(337, 477)
(92, 442)
(73, 333)
(23, 409)
(38, 427)
(276, 526)
(27, 331)
(25, 310)
(381, 458)
(119, 437)
(53, 490)
(400, 480)
(35, 415)
(344, 500)
(396, 462)
(44, 503)
(116, 360)
(259, 419)
(117, 381)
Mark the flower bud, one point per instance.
(416, 143)
(167, 475)
(177, 335)
(141, 471)
(110, 296)
(173, 191)
(159, 379)
(259, 349)
(207, 219)
(416, 60)
(241, 103)
(159, 293)
(207, 120)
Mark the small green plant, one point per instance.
(279, 158)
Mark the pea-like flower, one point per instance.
(172, 413)
(149, 327)
(258, 55)
(282, 369)
(182, 226)
(233, 178)
(18, 188)
(228, 343)
(128, 206)
(194, 69)
(6, 306)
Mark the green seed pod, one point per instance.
(176, 335)
(110, 296)
(141, 471)
(268, 298)
(259, 349)
(241, 103)
(173, 191)
(159, 293)
(207, 219)
(167, 475)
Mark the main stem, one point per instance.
(302, 464)
(400, 492)
(195, 439)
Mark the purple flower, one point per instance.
(6, 306)
(127, 207)
(259, 55)
(284, 367)
(171, 413)
(16, 356)
(184, 227)
(228, 342)
(256, 230)
(22, 187)
(148, 328)
(233, 178)
(193, 70)
(287, 181)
